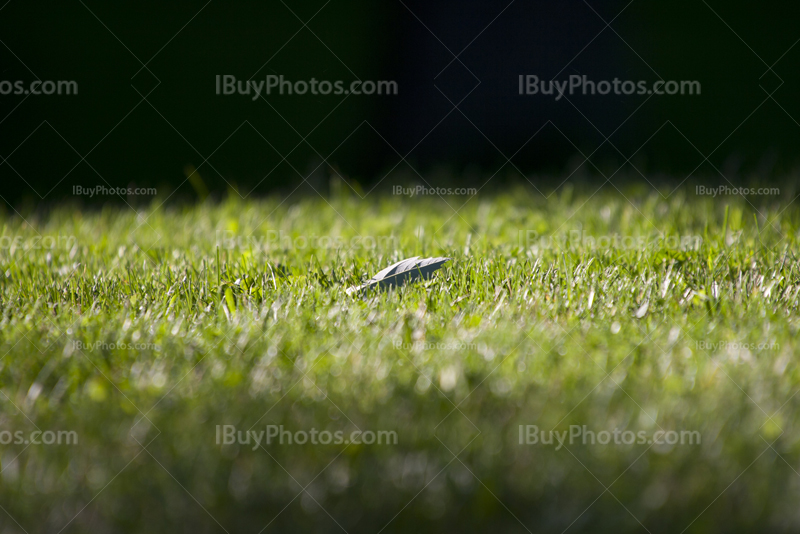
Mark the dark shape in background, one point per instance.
(135, 125)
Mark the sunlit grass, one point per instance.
(616, 312)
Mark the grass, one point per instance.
(144, 332)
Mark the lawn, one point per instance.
(154, 339)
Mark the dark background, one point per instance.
(109, 134)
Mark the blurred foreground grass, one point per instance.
(144, 333)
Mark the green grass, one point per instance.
(142, 333)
